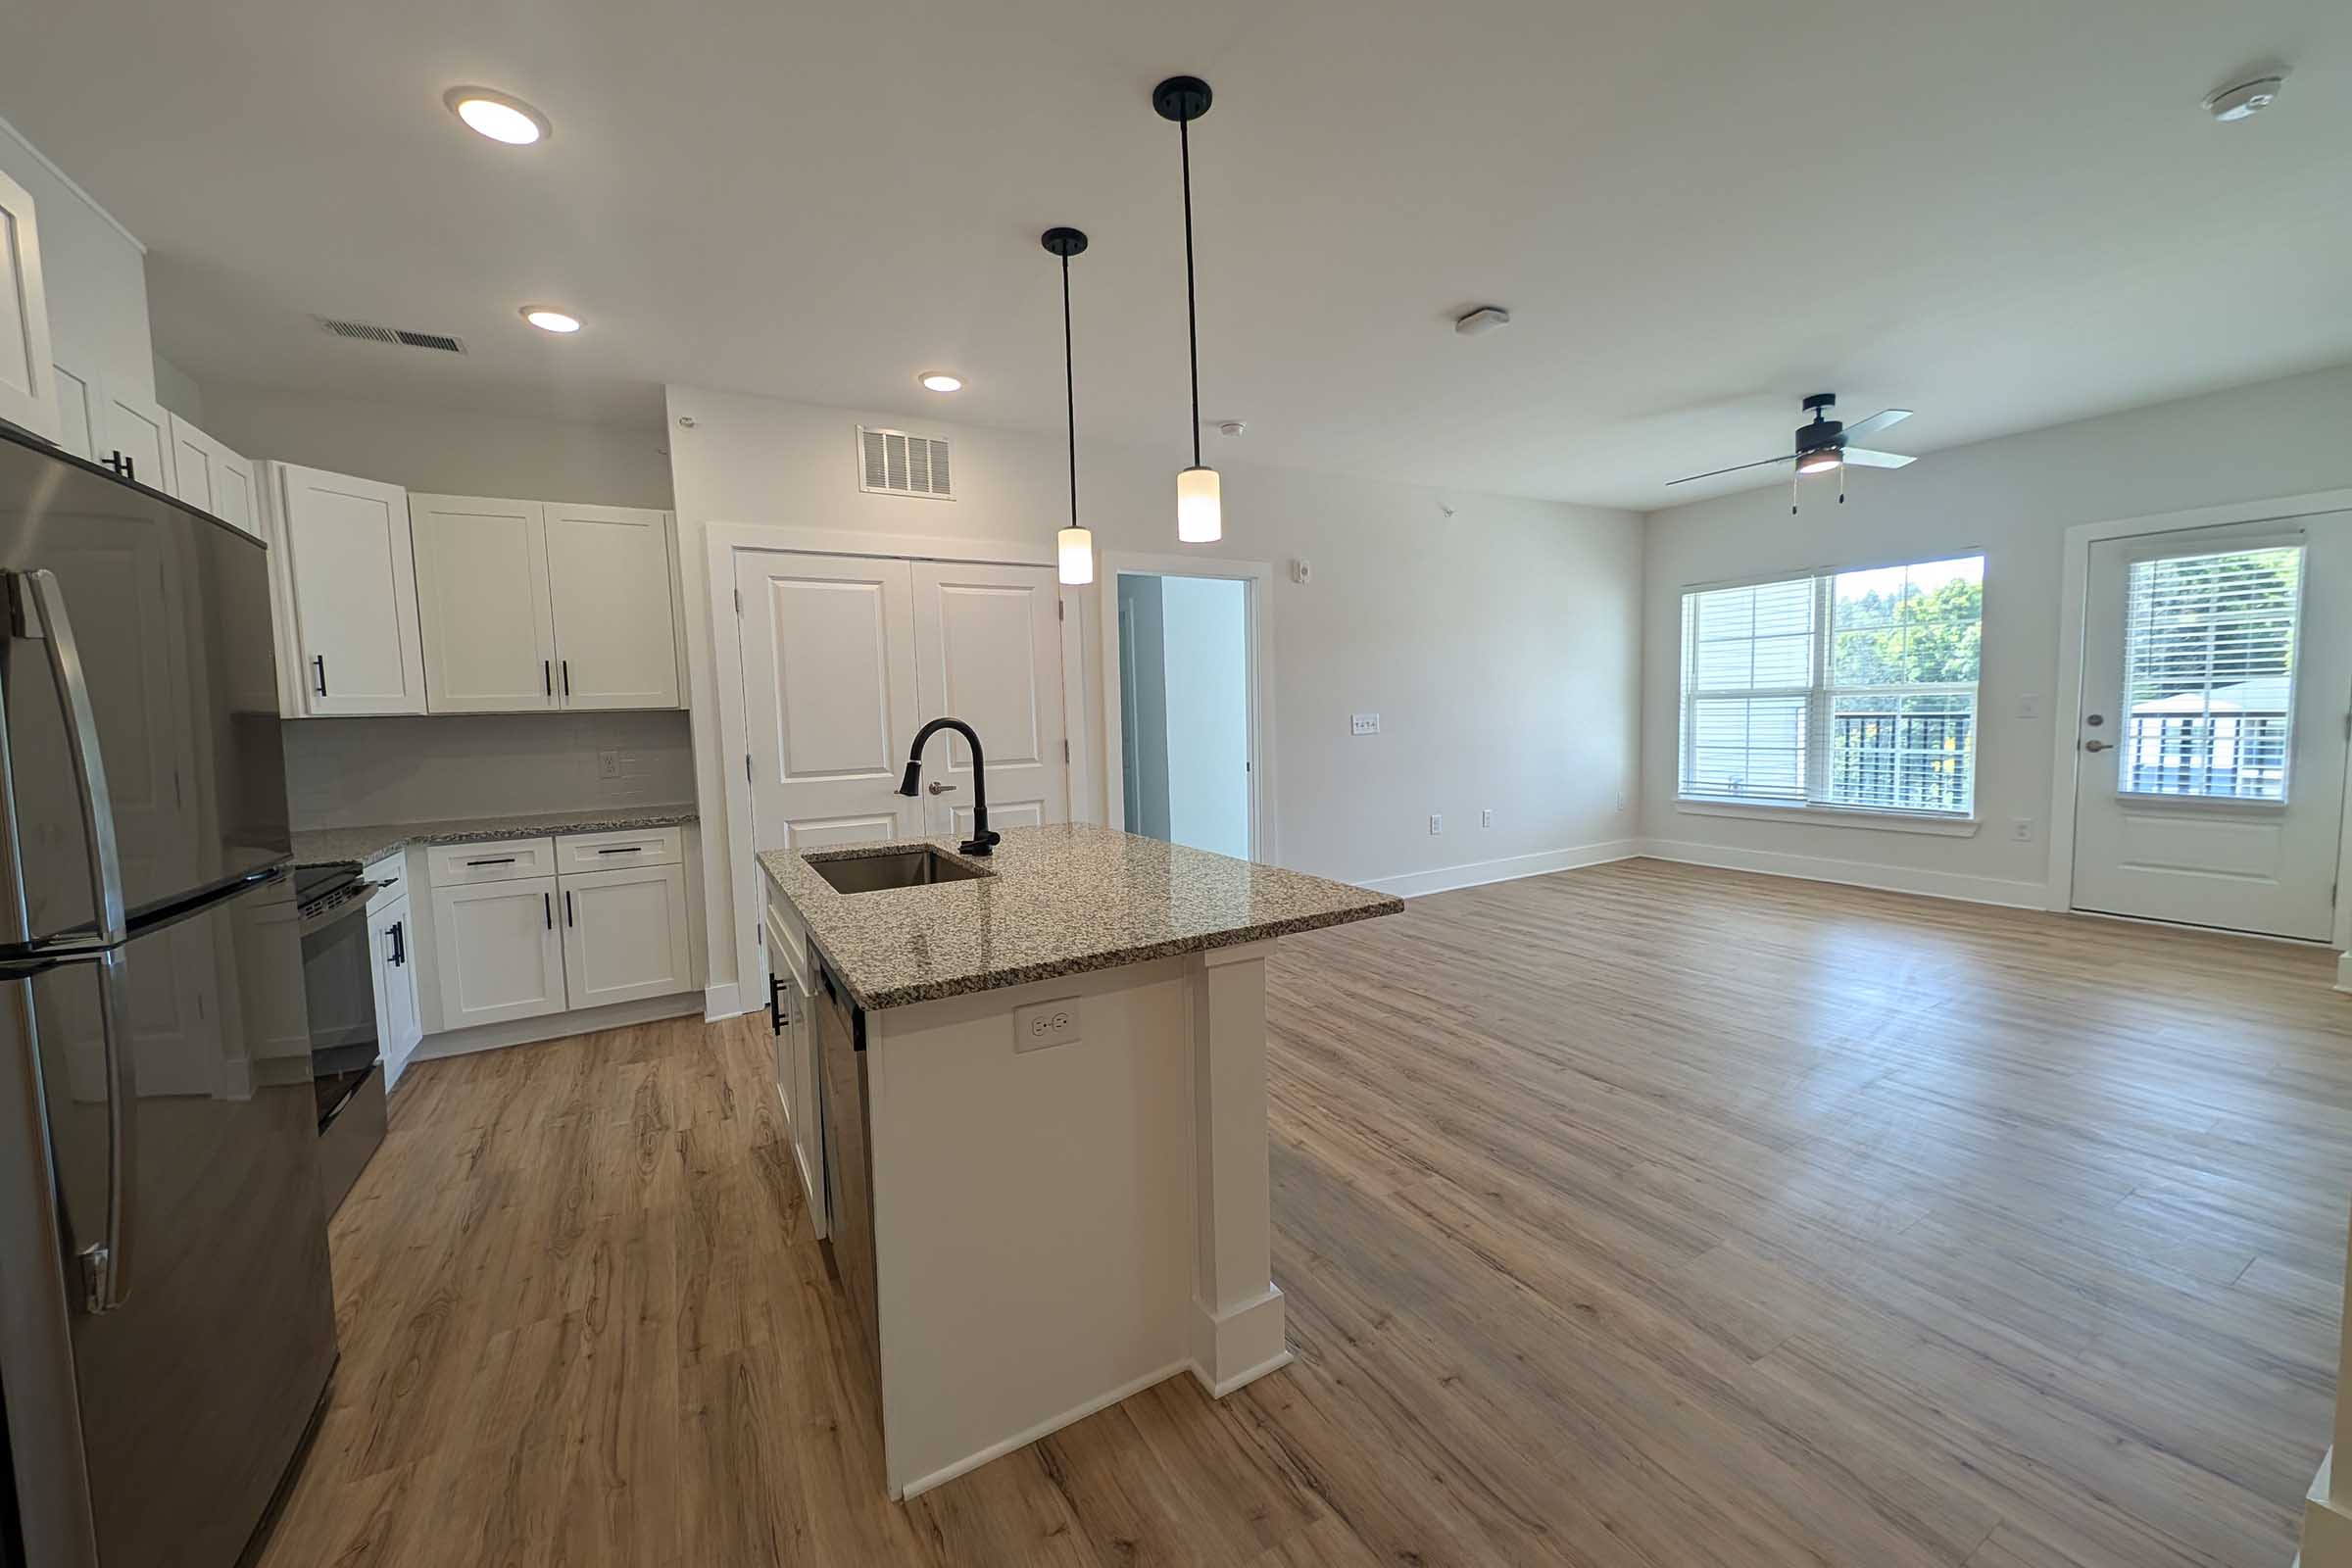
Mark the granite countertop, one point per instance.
(1060, 901)
(357, 846)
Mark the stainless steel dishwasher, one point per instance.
(841, 1085)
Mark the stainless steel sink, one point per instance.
(901, 868)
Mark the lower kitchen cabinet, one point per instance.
(399, 1025)
(625, 934)
(499, 952)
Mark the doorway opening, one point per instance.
(1182, 650)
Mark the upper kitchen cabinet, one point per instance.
(28, 388)
(483, 595)
(529, 605)
(208, 476)
(347, 585)
(609, 579)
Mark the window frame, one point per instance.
(1820, 697)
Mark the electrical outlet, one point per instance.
(1364, 724)
(1485, 818)
(2022, 829)
(608, 764)
(1046, 1023)
(1437, 823)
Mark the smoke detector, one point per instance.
(1486, 319)
(2245, 100)
(1231, 427)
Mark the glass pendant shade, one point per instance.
(1200, 507)
(1075, 548)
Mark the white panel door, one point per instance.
(2217, 677)
(27, 392)
(138, 437)
(207, 474)
(481, 601)
(616, 642)
(81, 411)
(624, 935)
(498, 952)
(353, 593)
(829, 697)
(988, 649)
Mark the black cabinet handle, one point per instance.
(775, 1010)
(496, 860)
(130, 468)
(547, 903)
(626, 849)
(547, 676)
(568, 921)
(319, 662)
(567, 677)
(400, 943)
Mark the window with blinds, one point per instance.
(1852, 690)
(2209, 674)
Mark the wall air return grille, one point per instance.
(892, 462)
(398, 337)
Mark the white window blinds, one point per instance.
(1849, 689)
(2209, 663)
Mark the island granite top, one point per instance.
(1057, 900)
(357, 846)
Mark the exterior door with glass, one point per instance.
(2216, 678)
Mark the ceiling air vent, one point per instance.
(368, 332)
(892, 462)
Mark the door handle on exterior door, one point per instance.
(2097, 746)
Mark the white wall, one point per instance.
(2014, 497)
(1498, 646)
(446, 451)
(1205, 635)
(94, 274)
(356, 772)
(175, 389)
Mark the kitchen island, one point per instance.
(1028, 1101)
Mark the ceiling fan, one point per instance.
(1824, 444)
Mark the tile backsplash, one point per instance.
(354, 772)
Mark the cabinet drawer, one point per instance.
(390, 873)
(455, 864)
(787, 948)
(612, 851)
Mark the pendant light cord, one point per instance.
(1191, 306)
(1069, 382)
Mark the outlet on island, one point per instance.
(1046, 1023)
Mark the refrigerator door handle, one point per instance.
(40, 612)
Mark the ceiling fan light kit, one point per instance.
(1823, 444)
(1200, 495)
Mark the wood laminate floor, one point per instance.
(1636, 1216)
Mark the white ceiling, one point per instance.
(1998, 213)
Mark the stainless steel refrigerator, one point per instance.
(167, 1329)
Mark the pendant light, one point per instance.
(1074, 546)
(1200, 497)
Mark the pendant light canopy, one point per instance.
(1200, 497)
(1073, 546)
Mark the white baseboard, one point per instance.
(1477, 873)
(1853, 873)
(553, 1026)
(723, 1001)
(1044, 1428)
(2344, 972)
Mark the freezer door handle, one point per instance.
(106, 1262)
(40, 609)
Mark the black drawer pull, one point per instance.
(498, 860)
(626, 849)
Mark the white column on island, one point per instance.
(1238, 1332)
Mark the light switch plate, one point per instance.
(1046, 1023)
(1364, 724)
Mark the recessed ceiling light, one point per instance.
(498, 115)
(547, 320)
(942, 381)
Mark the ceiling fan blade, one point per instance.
(1863, 458)
(1735, 468)
(1876, 423)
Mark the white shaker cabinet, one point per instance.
(609, 579)
(498, 950)
(399, 1025)
(28, 385)
(347, 584)
(482, 599)
(207, 474)
(625, 934)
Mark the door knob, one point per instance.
(937, 788)
(2097, 746)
